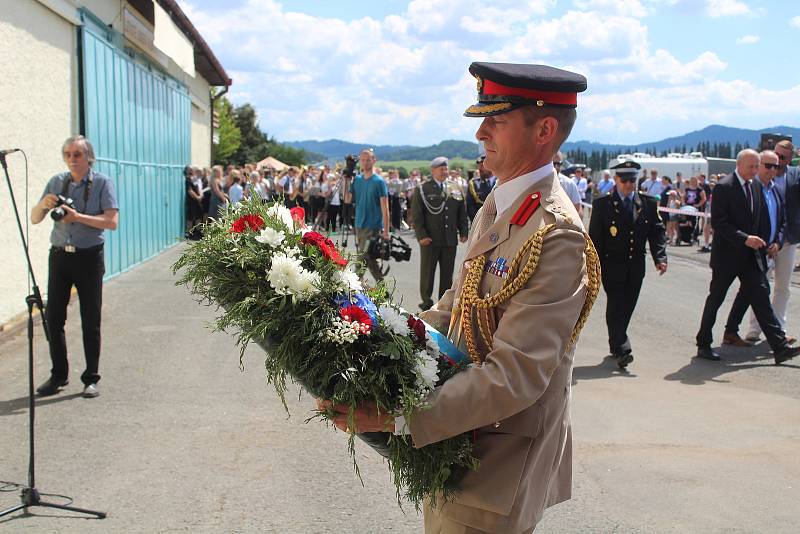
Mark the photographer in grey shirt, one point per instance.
(82, 204)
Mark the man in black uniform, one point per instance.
(622, 222)
(479, 188)
(440, 220)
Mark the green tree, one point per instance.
(228, 134)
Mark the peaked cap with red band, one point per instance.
(503, 87)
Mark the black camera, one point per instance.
(349, 166)
(58, 212)
(396, 248)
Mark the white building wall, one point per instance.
(36, 105)
(39, 106)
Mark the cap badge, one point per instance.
(480, 83)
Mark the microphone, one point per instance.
(8, 151)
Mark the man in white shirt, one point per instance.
(569, 185)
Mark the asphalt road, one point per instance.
(182, 440)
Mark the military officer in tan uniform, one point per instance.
(440, 221)
(529, 277)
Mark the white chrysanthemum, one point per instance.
(433, 348)
(282, 214)
(394, 320)
(348, 279)
(427, 370)
(304, 284)
(270, 236)
(282, 273)
(293, 252)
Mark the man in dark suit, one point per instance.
(479, 188)
(622, 223)
(738, 251)
(776, 221)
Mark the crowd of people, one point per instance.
(319, 190)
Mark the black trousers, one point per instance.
(395, 211)
(754, 290)
(622, 283)
(333, 214)
(431, 256)
(84, 270)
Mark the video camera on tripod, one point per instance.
(396, 248)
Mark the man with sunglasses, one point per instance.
(622, 223)
(787, 184)
(76, 258)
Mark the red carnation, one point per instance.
(245, 222)
(354, 313)
(299, 215)
(325, 246)
(418, 327)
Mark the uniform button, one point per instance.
(631, 240)
(497, 425)
(630, 257)
(631, 232)
(445, 226)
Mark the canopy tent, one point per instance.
(272, 163)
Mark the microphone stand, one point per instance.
(30, 495)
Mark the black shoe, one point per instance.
(424, 306)
(623, 360)
(51, 387)
(707, 353)
(786, 353)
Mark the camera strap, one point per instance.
(86, 190)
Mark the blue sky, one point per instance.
(395, 72)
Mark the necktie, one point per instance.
(488, 213)
(749, 194)
(628, 203)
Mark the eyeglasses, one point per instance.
(557, 163)
(770, 166)
(75, 155)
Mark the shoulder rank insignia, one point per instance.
(529, 205)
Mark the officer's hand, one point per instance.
(463, 239)
(662, 268)
(70, 215)
(753, 241)
(366, 418)
(424, 242)
(49, 201)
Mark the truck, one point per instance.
(690, 164)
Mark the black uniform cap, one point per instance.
(503, 87)
(626, 168)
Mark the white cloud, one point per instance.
(795, 22)
(403, 79)
(748, 39)
(726, 8)
(630, 8)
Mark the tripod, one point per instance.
(30, 495)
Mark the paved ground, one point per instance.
(182, 440)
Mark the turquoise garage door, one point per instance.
(139, 121)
